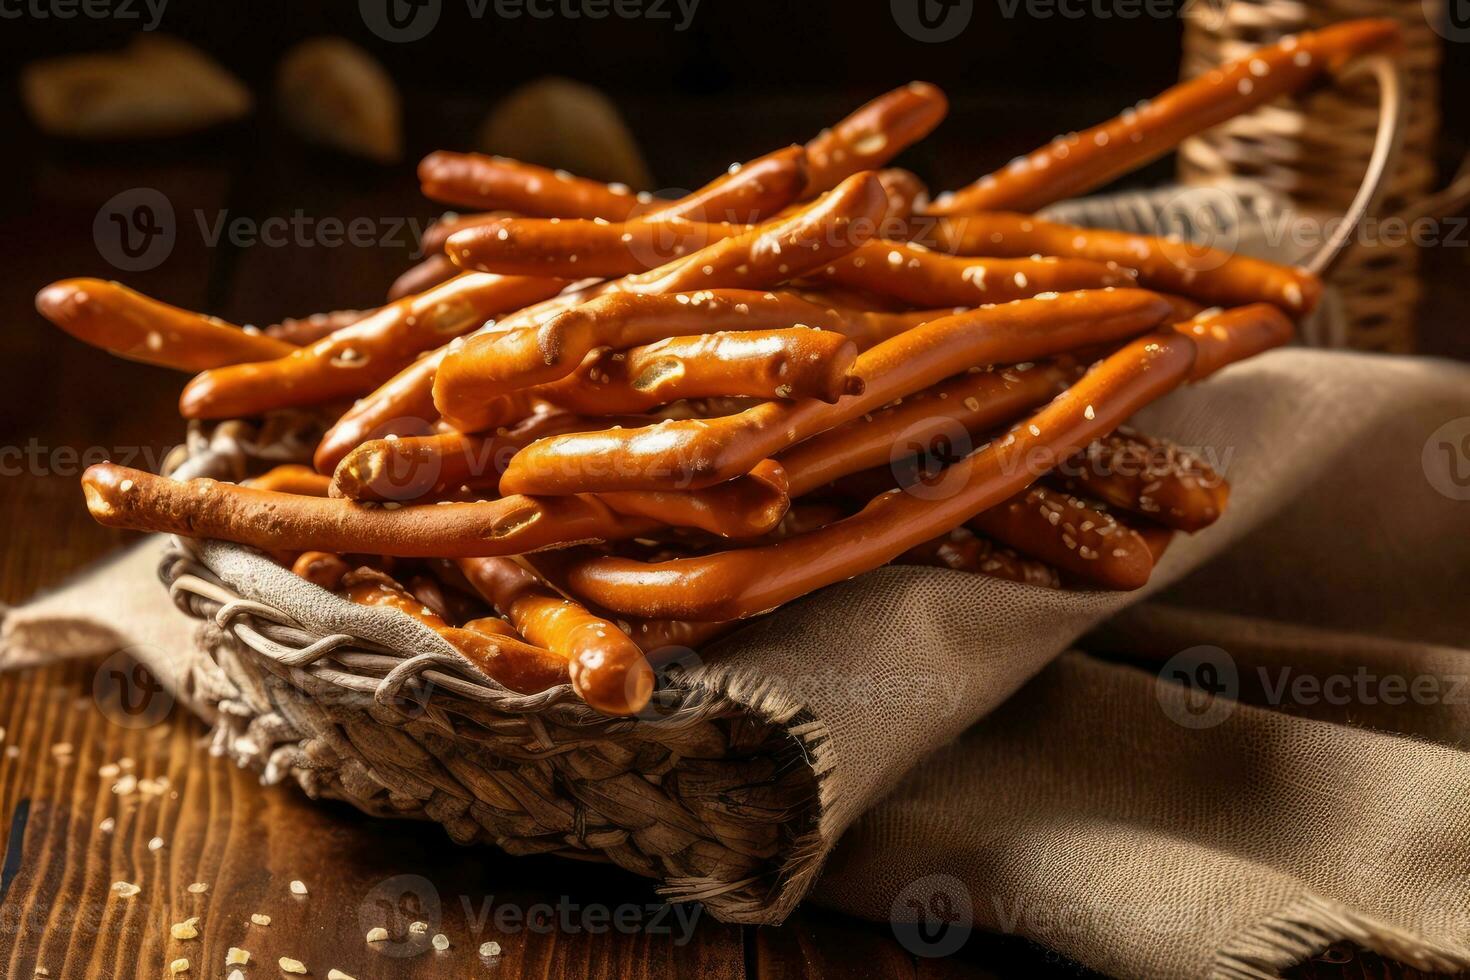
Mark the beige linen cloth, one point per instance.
(976, 776)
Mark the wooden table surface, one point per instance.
(82, 797)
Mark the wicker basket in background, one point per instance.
(1314, 151)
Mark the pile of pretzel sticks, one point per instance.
(596, 425)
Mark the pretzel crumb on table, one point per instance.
(594, 428)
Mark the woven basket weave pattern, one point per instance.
(1314, 151)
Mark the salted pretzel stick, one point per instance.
(799, 362)
(572, 247)
(830, 227)
(1074, 164)
(121, 497)
(907, 195)
(433, 239)
(131, 325)
(698, 453)
(292, 478)
(922, 278)
(402, 405)
(1226, 336)
(1071, 535)
(427, 274)
(953, 409)
(873, 134)
(309, 329)
(963, 551)
(487, 183)
(364, 354)
(1216, 277)
(321, 568)
(737, 584)
(515, 664)
(618, 321)
(1149, 477)
(608, 670)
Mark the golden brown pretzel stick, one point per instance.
(746, 193)
(954, 409)
(126, 323)
(1069, 534)
(608, 670)
(427, 274)
(1072, 165)
(1149, 477)
(1219, 278)
(433, 239)
(321, 568)
(310, 329)
(360, 356)
(121, 497)
(737, 584)
(292, 478)
(873, 134)
(922, 278)
(517, 665)
(907, 194)
(573, 247)
(402, 405)
(533, 356)
(1226, 336)
(964, 551)
(486, 183)
(798, 362)
(833, 225)
(700, 452)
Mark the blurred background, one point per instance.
(246, 127)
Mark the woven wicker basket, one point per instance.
(1313, 151)
(698, 790)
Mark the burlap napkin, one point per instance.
(1146, 830)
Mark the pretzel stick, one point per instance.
(1148, 477)
(321, 568)
(310, 329)
(907, 195)
(831, 226)
(963, 551)
(402, 405)
(872, 135)
(738, 584)
(799, 362)
(535, 356)
(292, 478)
(1071, 535)
(364, 354)
(922, 278)
(1226, 336)
(487, 183)
(131, 325)
(433, 239)
(433, 270)
(608, 670)
(966, 404)
(571, 247)
(698, 453)
(1072, 165)
(510, 662)
(1218, 278)
(121, 497)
